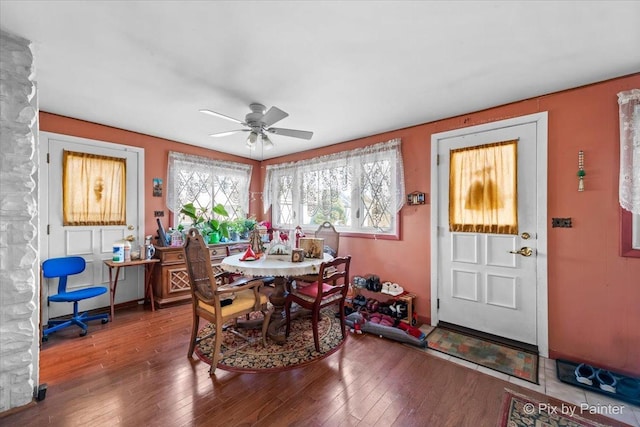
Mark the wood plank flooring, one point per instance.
(134, 372)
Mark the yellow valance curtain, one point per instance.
(93, 189)
(483, 196)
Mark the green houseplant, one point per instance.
(211, 228)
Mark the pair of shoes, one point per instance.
(392, 289)
(585, 374)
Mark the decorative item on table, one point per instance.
(264, 227)
(176, 238)
(149, 249)
(312, 247)
(297, 255)
(249, 255)
(255, 240)
(299, 234)
(280, 245)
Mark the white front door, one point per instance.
(479, 279)
(93, 243)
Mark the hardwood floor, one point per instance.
(134, 372)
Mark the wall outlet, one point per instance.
(561, 222)
(158, 213)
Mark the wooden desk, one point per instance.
(113, 279)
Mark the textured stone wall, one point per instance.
(19, 292)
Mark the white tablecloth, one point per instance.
(272, 265)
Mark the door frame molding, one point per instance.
(542, 308)
(43, 190)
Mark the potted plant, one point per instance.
(243, 226)
(211, 228)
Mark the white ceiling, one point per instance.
(342, 69)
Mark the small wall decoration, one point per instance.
(416, 198)
(157, 187)
(581, 172)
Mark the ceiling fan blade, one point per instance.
(213, 113)
(291, 132)
(231, 132)
(273, 115)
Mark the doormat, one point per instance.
(508, 360)
(298, 350)
(520, 410)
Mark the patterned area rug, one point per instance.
(298, 350)
(520, 410)
(510, 361)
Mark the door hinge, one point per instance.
(438, 304)
(48, 229)
(48, 158)
(437, 159)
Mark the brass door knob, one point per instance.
(524, 251)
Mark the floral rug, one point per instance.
(298, 350)
(520, 410)
(510, 361)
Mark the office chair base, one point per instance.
(56, 325)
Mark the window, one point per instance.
(205, 183)
(358, 191)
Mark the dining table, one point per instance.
(281, 268)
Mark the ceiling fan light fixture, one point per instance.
(251, 140)
(266, 142)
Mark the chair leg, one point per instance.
(342, 319)
(216, 348)
(314, 322)
(194, 334)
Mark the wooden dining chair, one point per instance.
(209, 290)
(331, 238)
(329, 288)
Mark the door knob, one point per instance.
(524, 251)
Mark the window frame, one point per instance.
(181, 161)
(389, 151)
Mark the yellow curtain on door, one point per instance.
(483, 196)
(93, 189)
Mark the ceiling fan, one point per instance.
(258, 123)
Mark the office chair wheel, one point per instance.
(83, 333)
(104, 321)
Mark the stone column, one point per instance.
(19, 271)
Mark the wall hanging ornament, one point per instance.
(581, 173)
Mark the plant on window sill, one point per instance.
(211, 228)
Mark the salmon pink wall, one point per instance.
(594, 294)
(156, 155)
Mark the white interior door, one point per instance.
(481, 282)
(93, 243)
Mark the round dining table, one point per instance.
(281, 268)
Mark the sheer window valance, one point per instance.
(629, 107)
(206, 182)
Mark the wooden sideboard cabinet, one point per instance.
(170, 278)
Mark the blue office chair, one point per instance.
(62, 268)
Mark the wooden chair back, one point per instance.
(331, 238)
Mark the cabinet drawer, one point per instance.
(172, 257)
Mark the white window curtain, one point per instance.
(179, 162)
(375, 171)
(629, 107)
